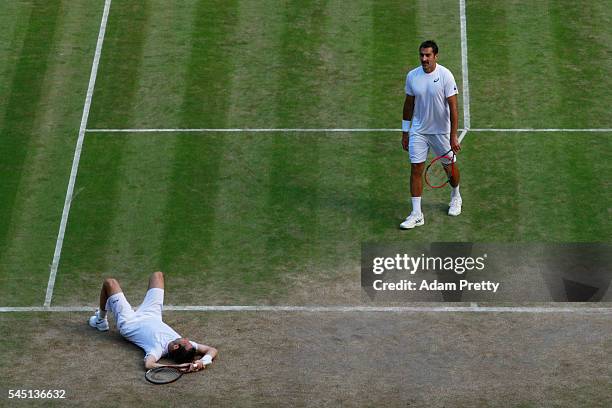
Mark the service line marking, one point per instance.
(473, 308)
(325, 130)
(542, 130)
(238, 130)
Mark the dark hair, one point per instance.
(429, 44)
(182, 355)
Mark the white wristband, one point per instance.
(206, 360)
(405, 125)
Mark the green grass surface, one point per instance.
(542, 64)
(286, 213)
(45, 60)
(258, 217)
(302, 64)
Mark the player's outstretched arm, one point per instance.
(208, 352)
(151, 362)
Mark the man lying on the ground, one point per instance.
(145, 328)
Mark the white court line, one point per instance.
(324, 130)
(542, 130)
(238, 130)
(473, 308)
(464, 66)
(77, 157)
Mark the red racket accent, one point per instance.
(436, 175)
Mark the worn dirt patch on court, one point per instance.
(330, 359)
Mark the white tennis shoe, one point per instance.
(97, 323)
(454, 207)
(413, 221)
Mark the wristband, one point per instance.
(405, 125)
(206, 360)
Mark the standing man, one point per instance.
(145, 328)
(430, 120)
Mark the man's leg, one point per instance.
(417, 151)
(416, 186)
(441, 145)
(416, 217)
(455, 176)
(156, 280)
(454, 207)
(153, 302)
(110, 287)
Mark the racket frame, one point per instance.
(448, 155)
(152, 370)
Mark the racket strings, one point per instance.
(437, 174)
(163, 375)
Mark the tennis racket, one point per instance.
(164, 375)
(439, 172)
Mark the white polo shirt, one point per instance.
(431, 113)
(144, 327)
(150, 334)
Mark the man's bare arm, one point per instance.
(203, 349)
(454, 122)
(407, 115)
(408, 107)
(208, 352)
(151, 362)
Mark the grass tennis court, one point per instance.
(275, 217)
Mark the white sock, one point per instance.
(101, 314)
(416, 205)
(455, 192)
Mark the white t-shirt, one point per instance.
(152, 335)
(144, 327)
(431, 113)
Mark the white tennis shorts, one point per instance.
(122, 310)
(419, 145)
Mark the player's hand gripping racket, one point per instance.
(440, 170)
